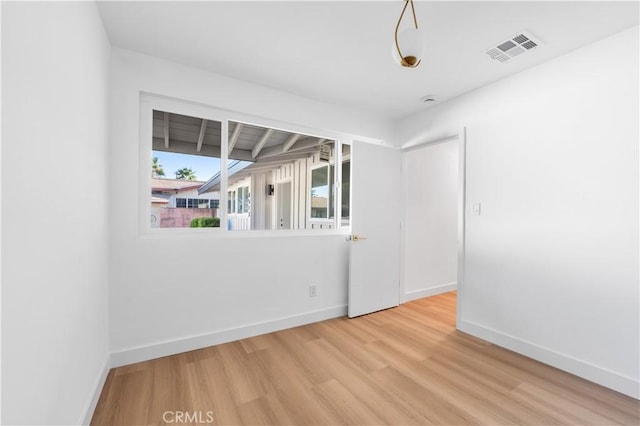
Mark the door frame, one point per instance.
(461, 136)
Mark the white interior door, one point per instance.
(283, 194)
(374, 263)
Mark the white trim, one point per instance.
(462, 196)
(427, 292)
(224, 175)
(172, 347)
(337, 185)
(310, 169)
(461, 137)
(97, 391)
(610, 379)
(344, 159)
(422, 144)
(150, 101)
(404, 179)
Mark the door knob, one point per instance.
(358, 237)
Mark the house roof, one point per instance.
(174, 184)
(197, 136)
(256, 149)
(252, 148)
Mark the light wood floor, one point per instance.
(403, 366)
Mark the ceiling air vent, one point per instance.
(512, 47)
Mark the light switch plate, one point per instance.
(476, 209)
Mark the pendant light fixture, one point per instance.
(409, 43)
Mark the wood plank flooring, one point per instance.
(403, 366)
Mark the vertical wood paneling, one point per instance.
(302, 171)
(270, 201)
(298, 174)
(296, 196)
(304, 166)
(259, 201)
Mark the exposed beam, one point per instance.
(305, 144)
(263, 140)
(265, 166)
(255, 168)
(289, 143)
(272, 151)
(299, 154)
(207, 150)
(234, 136)
(203, 127)
(166, 130)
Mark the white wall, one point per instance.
(551, 266)
(54, 211)
(430, 226)
(164, 297)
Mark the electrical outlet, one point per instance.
(313, 290)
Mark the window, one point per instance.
(185, 155)
(244, 200)
(322, 189)
(345, 193)
(275, 179)
(231, 202)
(197, 203)
(272, 192)
(321, 192)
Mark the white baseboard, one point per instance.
(172, 347)
(607, 378)
(426, 292)
(97, 391)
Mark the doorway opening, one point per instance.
(433, 221)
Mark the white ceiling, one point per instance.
(340, 52)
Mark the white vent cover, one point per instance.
(512, 47)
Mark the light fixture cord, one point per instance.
(398, 26)
(415, 22)
(413, 11)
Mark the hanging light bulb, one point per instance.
(409, 43)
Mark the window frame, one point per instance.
(150, 101)
(331, 198)
(243, 200)
(343, 160)
(188, 203)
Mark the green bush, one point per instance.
(205, 222)
(209, 222)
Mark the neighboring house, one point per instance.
(292, 190)
(175, 202)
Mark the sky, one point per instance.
(204, 167)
